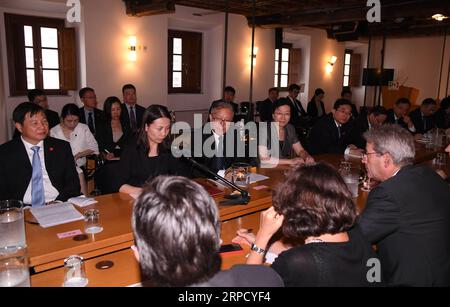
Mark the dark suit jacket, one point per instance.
(125, 116)
(298, 113)
(265, 109)
(313, 111)
(408, 217)
(16, 169)
(391, 119)
(99, 119)
(52, 118)
(442, 119)
(105, 139)
(211, 162)
(418, 121)
(324, 137)
(356, 130)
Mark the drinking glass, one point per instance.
(74, 272)
(14, 271)
(440, 158)
(240, 174)
(350, 176)
(92, 221)
(12, 226)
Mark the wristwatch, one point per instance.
(257, 249)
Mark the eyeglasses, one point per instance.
(222, 121)
(365, 154)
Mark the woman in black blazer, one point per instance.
(316, 108)
(113, 136)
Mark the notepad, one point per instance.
(57, 214)
(257, 177)
(82, 201)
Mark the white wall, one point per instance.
(316, 51)
(418, 61)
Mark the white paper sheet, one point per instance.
(57, 214)
(82, 201)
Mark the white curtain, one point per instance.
(3, 117)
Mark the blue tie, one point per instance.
(37, 181)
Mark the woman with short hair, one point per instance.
(281, 144)
(315, 204)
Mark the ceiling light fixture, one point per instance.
(439, 17)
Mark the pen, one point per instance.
(106, 151)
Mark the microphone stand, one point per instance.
(242, 199)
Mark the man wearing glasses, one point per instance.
(329, 134)
(408, 214)
(216, 138)
(89, 114)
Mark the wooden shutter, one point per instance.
(355, 70)
(294, 65)
(192, 62)
(67, 59)
(15, 45)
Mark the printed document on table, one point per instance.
(57, 214)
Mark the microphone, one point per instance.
(242, 199)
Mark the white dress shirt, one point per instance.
(81, 139)
(50, 191)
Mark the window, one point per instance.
(347, 67)
(185, 62)
(41, 54)
(282, 62)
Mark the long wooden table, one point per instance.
(47, 252)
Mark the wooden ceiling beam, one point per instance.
(341, 15)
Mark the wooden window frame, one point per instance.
(16, 54)
(284, 46)
(191, 84)
(347, 51)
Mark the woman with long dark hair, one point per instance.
(113, 137)
(151, 156)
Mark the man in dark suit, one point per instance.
(442, 116)
(399, 115)
(132, 113)
(422, 117)
(376, 117)
(35, 168)
(39, 97)
(298, 114)
(229, 93)
(265, 108)
(89, 114)
(408, 214)
(219, 146)
(346, 93)
(328, 135)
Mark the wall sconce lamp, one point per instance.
(132, 41)
(330, 64)
(255, 52)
